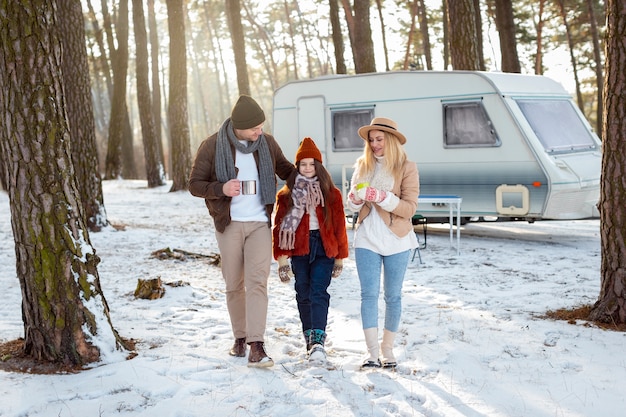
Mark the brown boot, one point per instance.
(239, 348)
(257, 357)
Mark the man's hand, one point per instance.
(232, 188)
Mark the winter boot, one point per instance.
(239, 348)
(386, 347)
(257, 358)
(307, 339)
(317, 339)
(371, 340)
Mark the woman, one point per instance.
(384, 191)
(310, 228)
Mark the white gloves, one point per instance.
(371, 194)
(284, 269)
(337, 268)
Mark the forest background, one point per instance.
(289, 40)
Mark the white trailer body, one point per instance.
(510, 145)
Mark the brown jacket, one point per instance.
(407, 189)
(333, 233)
(203, 180)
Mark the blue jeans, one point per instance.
(313, 275)
(368, 265)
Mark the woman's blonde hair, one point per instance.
(393, 162)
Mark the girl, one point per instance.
(310, 228)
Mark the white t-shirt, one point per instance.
(250, 207)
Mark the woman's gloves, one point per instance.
(337, 268)
(284, 269)
(371, 194)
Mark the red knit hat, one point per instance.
(308, 149)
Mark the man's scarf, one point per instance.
(306, 195)
(225, 163)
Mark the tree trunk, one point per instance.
(505, 24)
(462, 33)
(598, 63)
(156, 82)
(409, 43)
(570, 42)
(337, 36)
(363, 45)
(478, 27)
(539, 50)
(119, 114)
(611, 304)
(80, 115)
(233, 13)
(379, 7)
(154, 166)
(63, 308)
(177, 109)
(423, 21)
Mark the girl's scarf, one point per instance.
(225, 162)
(306, 195)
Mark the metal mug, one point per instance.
(248, 187)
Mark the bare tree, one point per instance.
(379, 7)
(177, 110)
(423, 19)
(233, 14)
(591, 5)
(156, 82)
(505, 24)
(337, 36)
(63, 306)
(154, 165)
(463, 39)
(360, 30)
(570, 42)
(80, 115)
(611, 304)
(119, 113)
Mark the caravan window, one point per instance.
(557, 125)
(467, 125)
(345, 124)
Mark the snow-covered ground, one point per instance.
(471, 342)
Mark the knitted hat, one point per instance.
(384, 124)
(247, 113)
(308, 149)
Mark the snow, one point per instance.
(471, 343)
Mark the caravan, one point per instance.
(510, 145)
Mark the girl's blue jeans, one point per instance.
(368, 265)
(313, 275)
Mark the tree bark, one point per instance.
(63, 307)
(156, 81)
(598, 63)
(337, 36)
(177, 110)
(119, 114)
(154, 166)
(80, 115)
(233, 13)
(462, 34)
(505, 24)
(611, 304)
(364, 61)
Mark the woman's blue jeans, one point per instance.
(313, 275)
(368, 265)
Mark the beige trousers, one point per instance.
(246, 256)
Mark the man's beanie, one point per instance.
(308, 149)
(247, 113)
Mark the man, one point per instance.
(240, 151)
